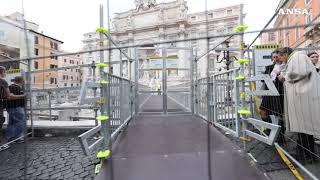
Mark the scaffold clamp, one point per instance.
(102, 30)
(241, 28)
(242, 61)
(103, 154)
(102, 65)
(244, 112)
(103, 81)
(240, 78)
(102, 118)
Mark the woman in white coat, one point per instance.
(302, 99)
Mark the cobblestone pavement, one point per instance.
(46, 158)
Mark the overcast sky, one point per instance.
(68, 20)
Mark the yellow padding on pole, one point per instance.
(243, 95)
(102, 30)
(101, 101)
(102, 118)
(97, 168)
(244, 112)
(102, 65)
(103, 154)
(240, 78)
(242, 61)
(241, 28)
(103, 81)
(289, 164)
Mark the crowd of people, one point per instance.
(297, 79)
(12, 99)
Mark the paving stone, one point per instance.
(71, 174)
(84, 174)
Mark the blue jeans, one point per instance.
(17, 123)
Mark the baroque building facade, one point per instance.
(151, 22)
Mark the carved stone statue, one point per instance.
(144, 4)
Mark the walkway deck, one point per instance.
(175, 147)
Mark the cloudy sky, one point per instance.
(68, 20)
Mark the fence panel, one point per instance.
(225, 101)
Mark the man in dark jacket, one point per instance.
(16, 109)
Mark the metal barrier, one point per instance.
(201, 98)
(180, 93)
(121, 111)
(226, 101)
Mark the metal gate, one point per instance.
(164, 80)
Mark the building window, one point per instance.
(51, 44)
(55, 80)
(36, 51)
(71, 78)
(34, 79)
(36, 40)
(55, 46)
(65, 84)
(52, 66)
(65, 60)
(307, 2)
(230, 29)
(51, 80)
(229, 11)
(71, 84)
(64, 77)
(193, 18)
(77, 63)
(308, 18)
(36, 65)
(71, 70)
(210, 15)
(67, 77)
(272, 37)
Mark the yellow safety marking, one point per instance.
(102, 118)
(103, 154)
(289, 164)
(244, 112)
(102, 65)
(103, 81)
(266, 46)
(243, 95)
(242, 61)
(242, 138)
(97, 169)
(102, 30)
(240, 78)
(13, 71)
(241, 28)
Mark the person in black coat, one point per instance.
(274, 105)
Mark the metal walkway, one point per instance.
(175, 147)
